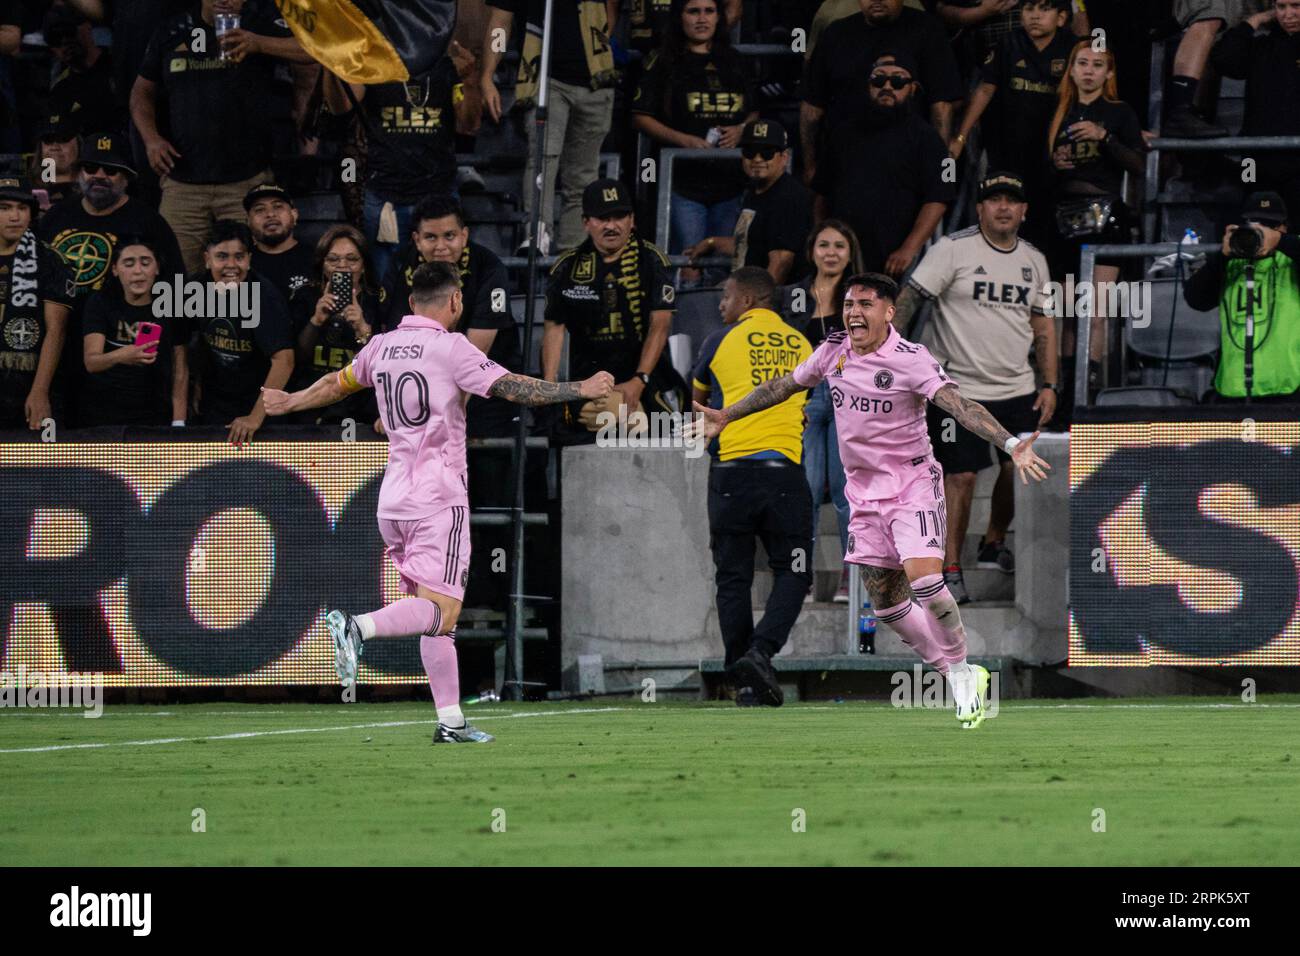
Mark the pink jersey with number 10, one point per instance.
(419, 372)
(879, 400)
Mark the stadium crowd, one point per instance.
(181, 141)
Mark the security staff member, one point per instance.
(756, 483)
(614, 295)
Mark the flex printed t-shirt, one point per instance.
(1091, 163)
(703, 91)
(984, 298)
(879, 402)
(420, 372)
(414, 152)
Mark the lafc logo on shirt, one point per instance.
(584, 267)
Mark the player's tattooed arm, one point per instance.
(908, 304)
(971, 415)
(525, 390)
(772, 392)
(326, 390)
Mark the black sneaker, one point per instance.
(745, 697)
(754, 670)
(956, 585)
(1184, 123)
(468, 734)
(996, 556)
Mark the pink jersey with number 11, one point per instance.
(879, 400)
(419, 372)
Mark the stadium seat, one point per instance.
(1143, 395)
(1196, 334)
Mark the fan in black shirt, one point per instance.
(775, 211)
(278, 256)
(835, 81)
(329, 330)
(695, 94)
(439, 234)
(236, 355)
(126, 383)
(54, 163)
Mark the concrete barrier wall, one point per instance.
(638, 575)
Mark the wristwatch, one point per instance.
(644, 377)
(1053, 386)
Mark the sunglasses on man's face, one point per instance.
(93, 169)
(891, 80)
(765, 153)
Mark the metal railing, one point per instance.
(1087, 270)
(667, 157)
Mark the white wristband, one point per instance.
(1011, 444)
(179, 423)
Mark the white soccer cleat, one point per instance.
(347, 645)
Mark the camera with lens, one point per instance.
(1246, 241)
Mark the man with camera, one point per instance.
(1255, 282)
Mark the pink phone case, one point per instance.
(148, 333)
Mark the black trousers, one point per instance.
(773, 504)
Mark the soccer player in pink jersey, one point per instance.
(421, 372)
(880, 383)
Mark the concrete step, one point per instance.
(822, 629)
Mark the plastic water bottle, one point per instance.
(866, 628)
(487, 697)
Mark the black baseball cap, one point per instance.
(1008, 183)
(14, 188)
(57, 128)
(763, 132)
(1265, 207)
(105, 149)
(900, 58)
(266, 191)
(605, 198)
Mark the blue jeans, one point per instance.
(382, 253)
(691, 222)
(821, 462)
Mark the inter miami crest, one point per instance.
(884, 378)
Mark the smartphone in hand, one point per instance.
(148, 333)
(341, 289)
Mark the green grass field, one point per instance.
(1182, 782)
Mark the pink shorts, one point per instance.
(912, 525)
(432, 551)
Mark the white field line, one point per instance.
(277, 733)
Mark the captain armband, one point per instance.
(347, 380)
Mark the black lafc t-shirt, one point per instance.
(412, 152)
(1092, 165)
(231, 360)
(779, 218)
(1020, 115)
(877, 178)
(568, 59)
(214, 111)
(702, 91)
(288, 271)
(87, 242)
(840, 67)
(606, 306)
(128, 394)
(22, 326)
(336, 346)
